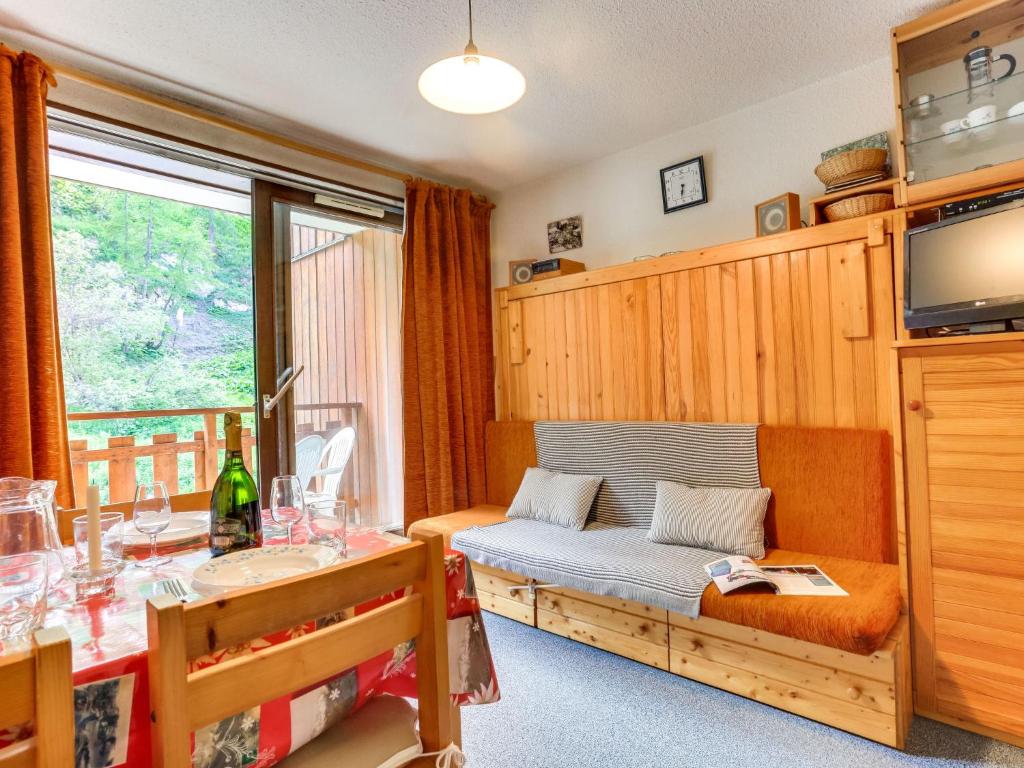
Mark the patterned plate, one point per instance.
(252, 567)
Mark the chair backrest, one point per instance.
(336, 455)
(180, 502)
(37, 687)
(307, 458)
(183, 702)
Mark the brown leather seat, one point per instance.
(858, 623)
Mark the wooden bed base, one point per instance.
(866, 695)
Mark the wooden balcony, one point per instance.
(123, 452)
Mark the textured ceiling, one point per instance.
(601, 75)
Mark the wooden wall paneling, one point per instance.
(501, 339)
(715, 327)
(766, 358)
(678, 346)
(649, 341)
(804, 320)
(701, 343)
(782, 310)
(572, 354)
(745, 308)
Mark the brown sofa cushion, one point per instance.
(447, 525)
(858, 623)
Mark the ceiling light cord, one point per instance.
(471, 49)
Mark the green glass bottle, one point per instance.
(235, 503)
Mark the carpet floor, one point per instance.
(566, 704)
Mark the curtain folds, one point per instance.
(447, 368)
(33, 423)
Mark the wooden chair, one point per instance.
(183, 702)
(37, 687)
(181, 502)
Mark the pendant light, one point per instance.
(471, 84)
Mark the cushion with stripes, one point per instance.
(554, 497)
(727, 520)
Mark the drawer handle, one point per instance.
(914, 405)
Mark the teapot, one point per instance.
(978, 63)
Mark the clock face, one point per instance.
(683, 185)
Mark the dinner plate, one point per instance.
(252, 567)
(183, 526)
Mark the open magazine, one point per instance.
(731, 573)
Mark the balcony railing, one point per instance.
(122, 453)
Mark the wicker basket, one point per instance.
(850, 165)
(861, 205)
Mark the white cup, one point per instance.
(979, 117)
(951, 131)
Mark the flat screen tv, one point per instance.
(965, 269)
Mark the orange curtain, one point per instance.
(33, 424)
(448, 376)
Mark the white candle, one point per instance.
(95, 535)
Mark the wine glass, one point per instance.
(152, 514)
(286, 503)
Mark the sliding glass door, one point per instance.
(328, 291)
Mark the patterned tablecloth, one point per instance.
(108, 636)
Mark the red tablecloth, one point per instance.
(108, 637)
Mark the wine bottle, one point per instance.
(235, 503)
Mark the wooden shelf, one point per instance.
(953, 341)
(818, 204)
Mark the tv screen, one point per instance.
(966, 269)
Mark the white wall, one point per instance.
(749, 156)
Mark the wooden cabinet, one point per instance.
(964, 446)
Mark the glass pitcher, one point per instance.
(28, 522)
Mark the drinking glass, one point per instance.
(152, 515)
(286, 502)
(22, 594)
(328, 524)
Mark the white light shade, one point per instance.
(472, 85)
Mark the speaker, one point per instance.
(520, 272)
(780, 214)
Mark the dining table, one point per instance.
(109, 663)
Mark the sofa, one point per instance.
(841, 661)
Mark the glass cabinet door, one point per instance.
(962, 94)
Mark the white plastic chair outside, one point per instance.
(336, 456)
(307, 458)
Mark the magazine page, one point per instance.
(734, 572)
(802, 580)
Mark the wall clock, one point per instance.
(683, 185)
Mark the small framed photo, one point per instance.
(565, 234)
(780, 214)
(683, 185)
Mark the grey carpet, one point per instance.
(566, 704)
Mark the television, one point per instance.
(966, 269)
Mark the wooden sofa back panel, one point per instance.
(832, 490)
(509, 449)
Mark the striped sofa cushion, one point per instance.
(729, 520)
(632, 455)
(601, 559)
(555, 497)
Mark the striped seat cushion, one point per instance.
(632, 455)
(605, 560)
(729, 520)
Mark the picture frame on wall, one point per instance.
(683, 185)
(780, 214)
(565, 234)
